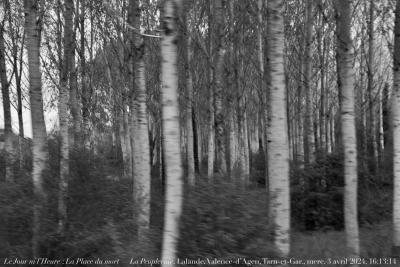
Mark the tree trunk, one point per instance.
(84, 88)
(171, 131)
(39, 148)
(141, 149)
(219, 94)
(345, 67)
(189, 125)
(371, 127)
(73, 87)
(278, 146)
(63, 117)
(396, 134)
(211, 121)
(8, 147)
(309, 145)
(322, 116)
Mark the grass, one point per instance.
(375, 242)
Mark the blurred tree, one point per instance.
(63, 116)
(33, 28)
(309, 142)
(171, 131)
(346, 56)
(278, 146)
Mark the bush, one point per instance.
(317, 194)
(224, 221)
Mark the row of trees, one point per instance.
(202, 81)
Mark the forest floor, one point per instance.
(375, 242)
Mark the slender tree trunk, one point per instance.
(73, 87)
(371, 127)
(262, 76)
(231, 93)
(39, 148)
(196, 141)
(171, 131)
(219, 94)
(380, 135)
(84, 83)
(246, 150)
(8, 147)
(278, 146)
(322, 116)
(63, 117)
(211, 122)
(346, 56)
(309, 145)
(396, 134)
(189, 125)
(299, 109)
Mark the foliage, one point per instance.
(224, 221)
(317, 195)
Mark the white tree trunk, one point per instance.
(139, 131)
(39, 149)
(346, 56)
(396, 134)
(63, 117)
(142, 176)
(189, 124)
(171, 131)
(278, 143)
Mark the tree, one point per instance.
(189, 107)
(371, 134)
(211, 120)
(5, 84)
(63, 117)
(396, 133)
(345, 72)
(218, 83)
(171, 131)
(141, 149)
(309, 142)
(73, 87)
(278, 143)
(33, 31)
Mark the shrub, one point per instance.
(224, 221)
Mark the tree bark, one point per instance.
(141, 149)
(73, 87)
(84, 83)
(219, 93)
(39, 148)
(63, 118)
(278, 143)
(396, 134)
(211, 121)
(171, 132)
(189, 122)
(345, 67)
(309, 142)
(371, 127)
